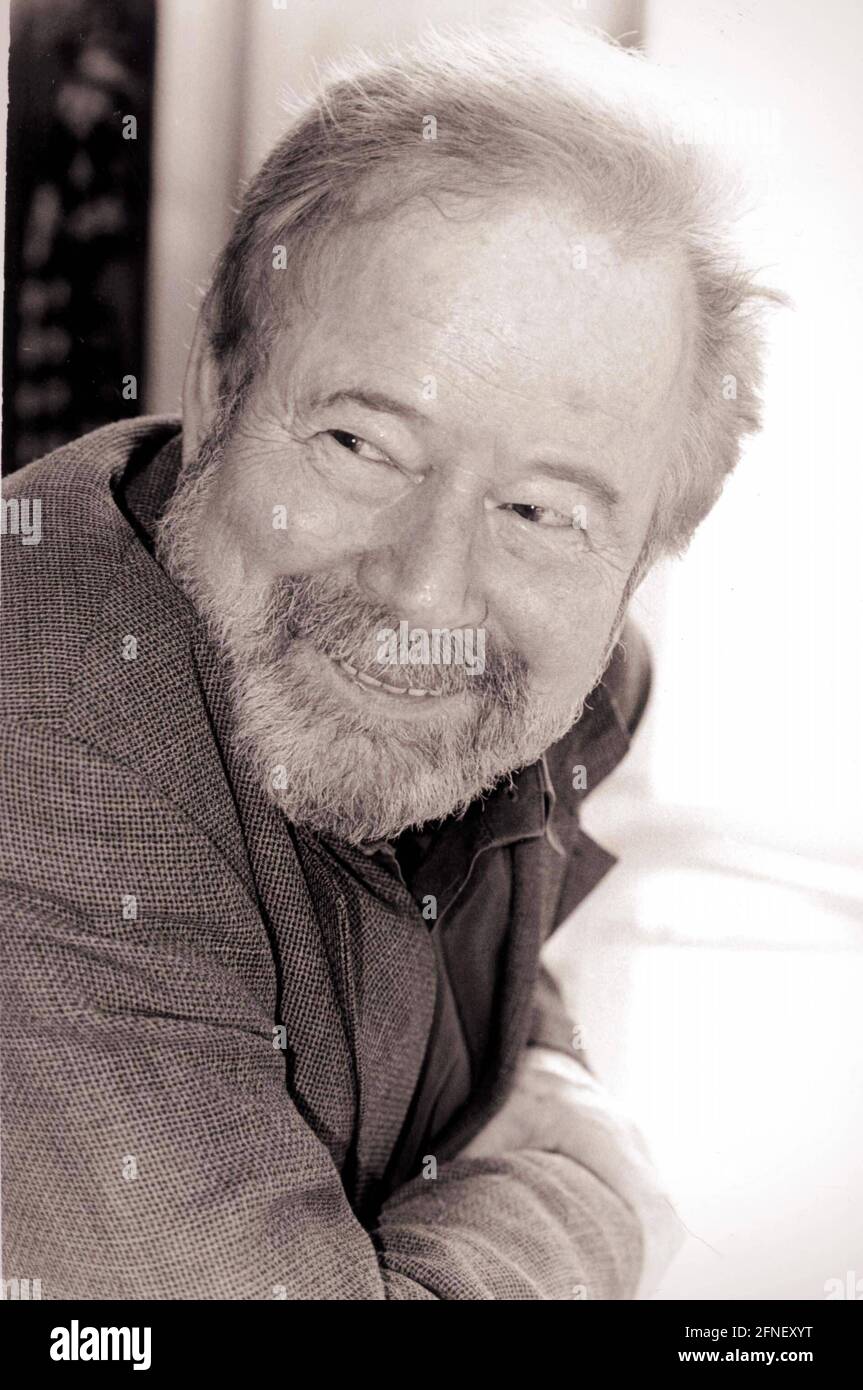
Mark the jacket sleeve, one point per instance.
(152, 1150)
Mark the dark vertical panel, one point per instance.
(76, 217)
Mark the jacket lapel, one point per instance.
(141, 699)
(389, 975)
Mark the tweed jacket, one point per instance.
(211, 1037)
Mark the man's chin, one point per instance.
(359, 765)
(359, 794)
(361, 826)
(359, 789)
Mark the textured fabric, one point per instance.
(444, 1084)
(214, 1021)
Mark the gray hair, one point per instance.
(549, 109)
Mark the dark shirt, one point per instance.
(435, 866)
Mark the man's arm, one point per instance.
(551, 1025)
(556, 1103)
(557, 1107)
(153, 1150)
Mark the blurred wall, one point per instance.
(756, 727)
(78, 158)
(201, 100)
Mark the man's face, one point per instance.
(465, 432)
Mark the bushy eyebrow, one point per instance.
(372, 400)
(586, 478)
(579, 474)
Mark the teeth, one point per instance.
(363, 678)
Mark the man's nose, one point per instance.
(425, 570)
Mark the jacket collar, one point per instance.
(538, 801)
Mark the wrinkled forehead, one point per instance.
(524, 304)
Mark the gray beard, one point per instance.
(340, 770)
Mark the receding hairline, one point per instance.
(581, 229)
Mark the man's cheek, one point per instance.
(297, 511)
(320, 526)
(564, 649)
(286, 533)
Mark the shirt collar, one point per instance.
(540, 800)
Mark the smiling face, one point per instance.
(466, 434)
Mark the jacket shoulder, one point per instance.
(65, 537)
(614, 709)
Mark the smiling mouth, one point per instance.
(362, 678)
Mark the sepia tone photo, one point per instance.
(431, 696)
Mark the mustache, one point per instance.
(341, 625)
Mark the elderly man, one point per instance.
(305, 695)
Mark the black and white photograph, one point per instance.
(432, 691)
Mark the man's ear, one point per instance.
(200, 392)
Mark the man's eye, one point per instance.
(358, 446)
(540, 516)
